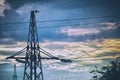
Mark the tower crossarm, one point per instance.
(22, 59)
(18, 53)
(50, 56)
(56, 58)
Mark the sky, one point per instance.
(86, 31)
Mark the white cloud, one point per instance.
(109, 25)
(3, 6)
(83, 54)
(78, 31)
(70, 50)
(25, 9)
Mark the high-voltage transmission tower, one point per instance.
(32, 59)
(15, 73)
(33, 65)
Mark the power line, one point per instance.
(80, 18)
(59, 20)
(8, 67)
(59, 26)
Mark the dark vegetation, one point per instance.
(107, 72)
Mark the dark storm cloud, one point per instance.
(16, 4)
(68, 8)
(11, 16)
(91, 3)
(107, 7)
(70, 4)
(8, 32)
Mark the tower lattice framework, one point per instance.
(32, 59)
(33, 65)
(15, 73)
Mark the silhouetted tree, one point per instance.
(108, 72)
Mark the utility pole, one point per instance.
(32, 59)
(15, 73)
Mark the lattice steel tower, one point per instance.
(15, 73)
(33, 66)
(32, 59)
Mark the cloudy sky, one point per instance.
(86, 31)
